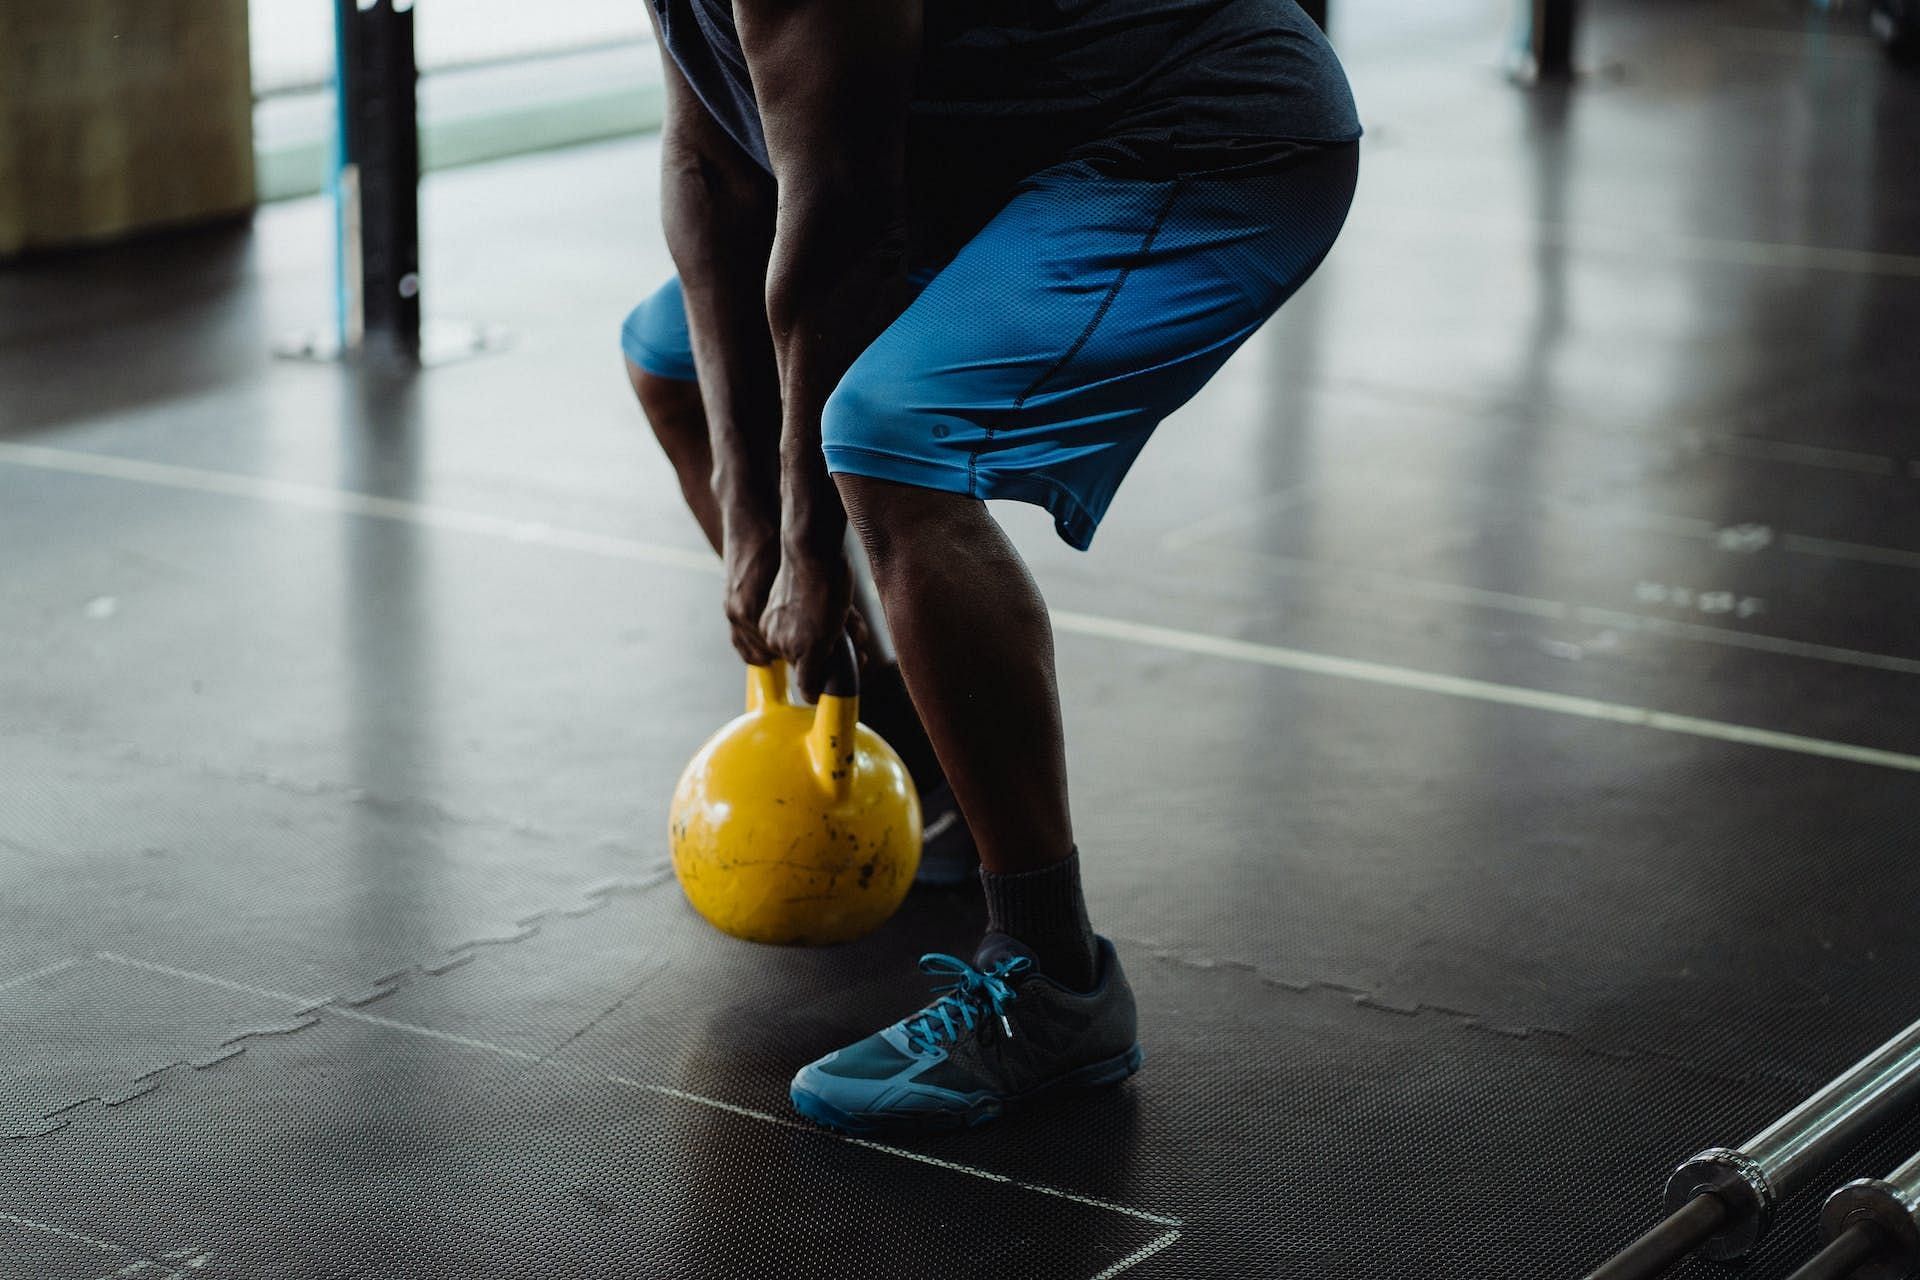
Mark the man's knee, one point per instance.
(894, 519)
(663, 397)
(867, 513)
(654, 336)
(674, 409)
(633, 336)
(862, 411)
(877, 413)
(853, 422)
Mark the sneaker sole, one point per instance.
(1094, 1076)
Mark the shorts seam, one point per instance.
(650, 357)
(891, 456)
(1139, 257)
(1069, 512)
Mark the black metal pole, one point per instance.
(1550, 40)
(1677, 1236)
(1876, 1222)
(1850, 1250)
(380, 178)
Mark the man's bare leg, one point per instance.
(976, 648)
(679, 420)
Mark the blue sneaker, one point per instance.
(1001, 1033)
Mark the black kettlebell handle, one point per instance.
(843, 673)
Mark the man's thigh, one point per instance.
(1035, 364)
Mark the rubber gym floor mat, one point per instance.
(1636, 889)
(89, 1029)
(178, 866)
(468, 1123)
(33, 1249)
(426, 734)
(1633, 888)
(360, 1148)
(1683, 581)
(484, 679)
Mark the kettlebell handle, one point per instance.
(830, 743)
(767, 685)
(843, 676)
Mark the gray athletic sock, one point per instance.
(1045, 910)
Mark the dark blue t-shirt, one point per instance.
(1004, 87)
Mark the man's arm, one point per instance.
(718, 209)
(833, 79)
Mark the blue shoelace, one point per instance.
(971, 993)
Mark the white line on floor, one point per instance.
(138, 1266)
(1139, 1255)
(902, 1152)
(1381, 673)
(1170, 639)
(1090, 1201)
(59, 966)
(1157, 1219)
(1801, 455)
(1557, 610)
(47, 1228)
(194, 1259)
(335, 1011)
(668, 1091)
(1873, 464)
(1389, 583)
(212, 980)
(311, 497)
(1755, 253)
(1898, 557)
(315, 1006)
(1759, 642)
(716, 1104)
(1381, 222)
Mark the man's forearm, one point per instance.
(837, 278)
(719, 225)
(833, 79)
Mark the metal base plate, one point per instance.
(441, 343)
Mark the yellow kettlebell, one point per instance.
(796, 824)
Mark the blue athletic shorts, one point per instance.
(1035, 363)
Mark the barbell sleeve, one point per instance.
(1886, 1211)
(1753, 1178)
(1721, 1203)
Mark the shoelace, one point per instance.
(971, 993)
